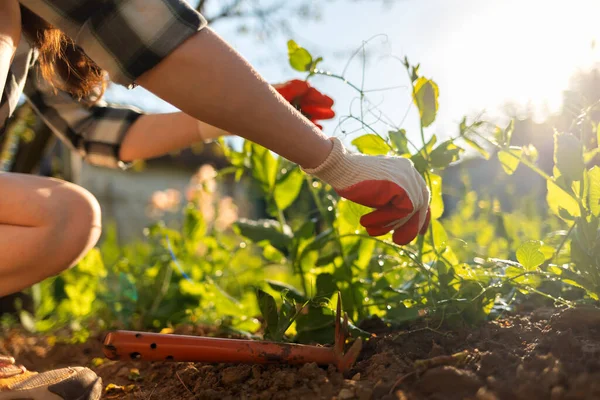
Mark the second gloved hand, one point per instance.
(390, 185)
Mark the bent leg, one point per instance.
(46, 226)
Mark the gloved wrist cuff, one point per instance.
(336, 167)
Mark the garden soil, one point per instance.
(539, 354)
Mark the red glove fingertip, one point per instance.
(377, 230)
(407, 232)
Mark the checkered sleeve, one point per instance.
(124, 37)
(95, 132)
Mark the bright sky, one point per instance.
(482, 54)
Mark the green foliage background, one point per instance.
(278, 276)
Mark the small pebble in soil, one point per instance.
(485, 394)
(345, 394)
(232, 375)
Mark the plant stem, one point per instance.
(338, 243)
(163, 288)
(280, 216)
(563, 242)
(332, 75)
(362, 97)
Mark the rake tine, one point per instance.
(351, 355)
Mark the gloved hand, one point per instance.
(390, 185)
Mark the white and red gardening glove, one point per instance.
(390, 185)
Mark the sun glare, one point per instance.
(526, 50)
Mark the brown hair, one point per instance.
(63, 64)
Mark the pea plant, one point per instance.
(570, 254)
(325, 246)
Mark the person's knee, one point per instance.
(76, 220)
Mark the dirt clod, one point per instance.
(459, 384)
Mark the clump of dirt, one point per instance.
(544, 354)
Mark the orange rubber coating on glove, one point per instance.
(127, 345)
(392, 204)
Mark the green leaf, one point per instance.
(462, 127)
(327, 259)
(287, 315)
(266, 229)
(371, 144)
(510, 159)
(400, 313)
(503, 136)
(529, 254)
(194, 226)
(548, 251)
(477, 147)
(264, 167)
(590, 155)
(418, 159)
(419, 162)
(499, 136)
(414, 74)
(518, 276)
(440, 237)
(586, 233)
(300, 59)
(399, 141)
(314, 64)
(508, 131)
(291, 291)
(568, 156)
(557, 198)
(268, 309)
(93, 264)
(349, 214)
(594, 190)
(320, 240)
(315, 325)
(288, 188)
(425, 97)
(273, 255)
(306, 230)
(437, 201)
(565, 214)
(445, 154)
(326, 285)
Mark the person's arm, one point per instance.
(109, 135)
(154, 135)
(10, 33)
(207, 79)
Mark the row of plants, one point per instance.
(278, 275)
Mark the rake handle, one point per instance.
(128, 345)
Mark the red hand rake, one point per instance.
(128, 345)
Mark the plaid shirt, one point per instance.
(124, 37)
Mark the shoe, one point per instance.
(77, 383)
